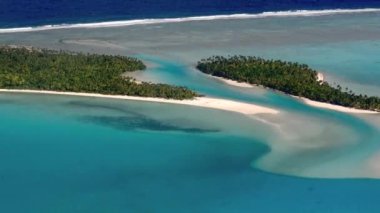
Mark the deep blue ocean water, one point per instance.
(40, 12)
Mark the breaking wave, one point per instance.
(188, 19)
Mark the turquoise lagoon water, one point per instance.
(66, 154)
(61, 154)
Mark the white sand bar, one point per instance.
(206, 102)
(233, 83)
(336, 107)
(320, 77)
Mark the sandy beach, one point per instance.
(233, 83)
(320, 78)
(336, 107)
(206, 102)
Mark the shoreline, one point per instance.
(232, 82)
(150, 21)
(204, 102)
(335, 107)
(320, 78)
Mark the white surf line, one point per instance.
(206, 102)
(188, 19)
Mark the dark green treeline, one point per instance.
(30, 68)
(291, 78)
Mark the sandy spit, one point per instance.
(206, 102)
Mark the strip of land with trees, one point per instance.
(41, 69)
(288, 77)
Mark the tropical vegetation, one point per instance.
(41, 69)
(288, 77)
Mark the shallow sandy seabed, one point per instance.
(304, 141)
(213, 103)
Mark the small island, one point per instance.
(27, 68)
(30, 70)
(288, 77)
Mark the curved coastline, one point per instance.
(123, 23)
(320, 77)
(232, 82)
(307, 101)
(336, 107)
(205, 102)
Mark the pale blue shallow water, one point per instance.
(65, 155)
(175, 73)
(61, 154)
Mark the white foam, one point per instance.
(188, 19)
